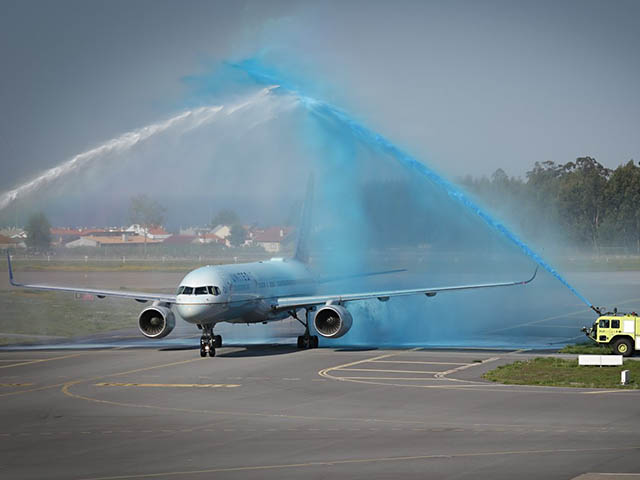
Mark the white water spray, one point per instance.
(186, 121)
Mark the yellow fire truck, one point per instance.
(621, 331)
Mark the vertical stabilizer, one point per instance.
(304, 230)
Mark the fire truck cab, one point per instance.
(621, 331)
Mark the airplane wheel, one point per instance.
(203, 352)
(300, 342)
(212, 352)
(314, 341)
(217, 341)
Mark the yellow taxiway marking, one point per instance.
(30, 362)
(15, 384)
(67, 385)
(464, 367)
(325, 372)
(457, 384)
(352, 461)
(604, 475)
(420, 363)
(18, 359)
(422, 379)
(383, 371)
(618, 390)
(169, 385)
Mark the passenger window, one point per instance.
(603, 324)
(201, 291)
(187, 291)
(615, 323)
(214, 290)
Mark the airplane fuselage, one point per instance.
(241, 293)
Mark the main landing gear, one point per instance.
(209, 342)
(307, 340)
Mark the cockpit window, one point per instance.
(180, 290)
(187, 291)
(200, 291)
(214, 290)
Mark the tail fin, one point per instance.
(302, 248)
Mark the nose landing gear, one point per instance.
(209, 342)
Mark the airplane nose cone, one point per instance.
(192, 313)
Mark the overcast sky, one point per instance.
(467, 86)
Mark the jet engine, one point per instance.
(332, 321)
(156, 321)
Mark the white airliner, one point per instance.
(255, 292)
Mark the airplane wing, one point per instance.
(337, 278)
(138, 296)
(287, 303)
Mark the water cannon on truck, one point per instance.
(620, 331)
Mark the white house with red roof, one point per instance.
(152, 233)
(271, 239)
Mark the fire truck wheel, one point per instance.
(623, 347)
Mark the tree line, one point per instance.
(581, 203)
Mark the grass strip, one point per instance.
(560, 372)
(587, 348)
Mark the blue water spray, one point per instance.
(323, 110)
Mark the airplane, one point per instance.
(257, 292)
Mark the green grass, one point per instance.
(604, 263)
(28, 312)
(588, 347)
(559, 372)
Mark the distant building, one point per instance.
(82, 242)
(222, 231)
(110, 239)
(62, 236)
(271, 239)
(194, 231)
(14, 233)
(8, 242)
(154, 233)
(180, 240)
(211, 238)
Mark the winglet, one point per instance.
(531, 279)
(11, 271)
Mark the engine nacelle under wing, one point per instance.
(156, 322)
(332, 321)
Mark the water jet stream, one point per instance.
(187, 120)
(327, 112)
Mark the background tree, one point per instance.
(238, 235)
(38, 232)
(147, 213)
(225, 217)
(622, 207)
(581, 198)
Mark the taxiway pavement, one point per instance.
(268, 412)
